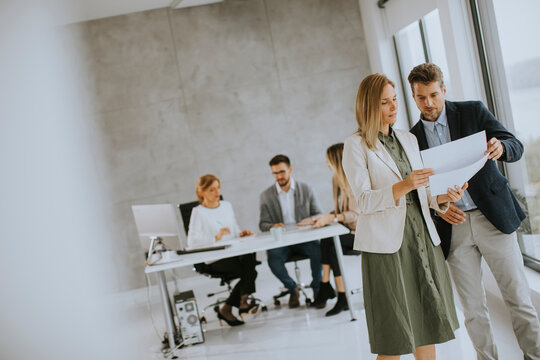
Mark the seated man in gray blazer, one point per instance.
(290, 202)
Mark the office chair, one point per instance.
(294, 257)
(204, 269)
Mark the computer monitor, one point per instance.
(157, 220)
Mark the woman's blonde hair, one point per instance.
(368, 107)
(204, 183)
(334, 155)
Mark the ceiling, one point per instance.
(73, 11)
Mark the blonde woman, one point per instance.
(213, 221)
(407, 290)
(345, 212)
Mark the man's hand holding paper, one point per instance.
(458, 161)
(453, 215)
(495, 149)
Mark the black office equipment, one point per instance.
(201, 249)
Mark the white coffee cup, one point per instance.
(167, 255)
(277, 233)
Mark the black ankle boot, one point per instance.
(341, 305)
(326, 291)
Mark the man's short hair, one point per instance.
(278, 159)
(425, 74)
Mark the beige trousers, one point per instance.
(472, 240)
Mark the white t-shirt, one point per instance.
(205, 224)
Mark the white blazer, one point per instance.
(371, 174)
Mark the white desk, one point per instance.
(243, 246)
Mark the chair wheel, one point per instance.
(264, 308)
(203, 320)
(216, 308)
(277, 302)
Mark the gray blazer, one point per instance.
(305, 205)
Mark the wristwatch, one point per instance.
(335, 218)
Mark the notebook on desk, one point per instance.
(201, 249)
(296, 227)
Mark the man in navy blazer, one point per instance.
(484, 221)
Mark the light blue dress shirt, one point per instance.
(438, 133)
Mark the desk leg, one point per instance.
(339, 253)
(167, 309)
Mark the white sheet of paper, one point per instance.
(455, 162)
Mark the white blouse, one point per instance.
(205, 224)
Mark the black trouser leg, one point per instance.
(328, 251)
(234, 298)
(249, 274)
(243, 267)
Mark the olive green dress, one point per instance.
(407, 295)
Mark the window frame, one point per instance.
(497, 93)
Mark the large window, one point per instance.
(419, 42)
(509, 38)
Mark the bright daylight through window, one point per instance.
(521, 56)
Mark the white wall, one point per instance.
(216, 89)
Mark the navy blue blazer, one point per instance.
(488, 188)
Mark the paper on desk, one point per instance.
(455, 162)
(230, 242)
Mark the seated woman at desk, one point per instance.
(345, 212)
(211, 222)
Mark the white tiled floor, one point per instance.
(282, 333)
